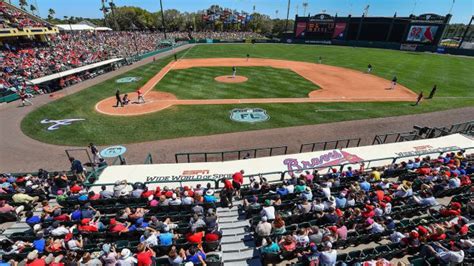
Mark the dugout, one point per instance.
(423, 30)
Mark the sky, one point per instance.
(462, 10)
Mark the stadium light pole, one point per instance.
(465, 32)
(163, 18)
(287, 15)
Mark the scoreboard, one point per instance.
(320, 27)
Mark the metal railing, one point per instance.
(330, 145)
(221, 156)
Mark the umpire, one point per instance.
(119, 100)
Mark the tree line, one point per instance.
(135, 18)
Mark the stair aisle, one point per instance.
(237, 244)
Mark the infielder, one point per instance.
(369, 68)
(394, 83)
(234, 71)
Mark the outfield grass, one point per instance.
(417, 71)
(263, 82)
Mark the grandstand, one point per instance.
(362, 188)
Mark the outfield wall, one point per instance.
(273, 168)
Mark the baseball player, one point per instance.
(248, 56)
(369, 68)
(394, 83)
(117, 97)
(140, 98)
(24, 98)
(234, 71)
(432, 93)
(320, 60)
(420, 97)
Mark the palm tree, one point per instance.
(112, 8)
(305, 5)
(104, 10)
(276, 13)
(23, 4)
(51, 13)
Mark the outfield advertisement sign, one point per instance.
(193, 173)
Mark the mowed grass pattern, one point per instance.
(263, 82)
(453, 75)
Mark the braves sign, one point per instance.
(58, 123)
(331, 158)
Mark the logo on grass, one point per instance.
(58, 123)
(249, 115)
(128, 80)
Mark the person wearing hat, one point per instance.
(268, 210)
(328, 255)
(32, 259)
(109, 254)
(175, 200)
(307, 194)
(209, 196)
(126, 258)
(263, 228)
(310, 257)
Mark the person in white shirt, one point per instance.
(150, 237)
(126, 258)
(175, 200)
(268, 210)
(328, 256)
(59, 230)
(446, 256)
(290, 188)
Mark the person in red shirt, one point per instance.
(237, 181)
(87, 226)
(212, 236)
(146, 192)
(33, 260)
(116, 227)
(144, 255)
(75, 189)
(195, 238)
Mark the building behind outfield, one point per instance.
(409, 33)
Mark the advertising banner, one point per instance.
(174, 175)
(423, 34)
(300, 28)
(339, 31)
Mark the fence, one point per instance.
(341, 167)
(221, 156)
(330, 145)
(367, 163)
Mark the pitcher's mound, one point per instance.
(230, 79)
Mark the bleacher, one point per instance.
(390, 214)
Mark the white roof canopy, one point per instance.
(73, 71)
(74, 27)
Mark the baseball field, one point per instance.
(184, 99)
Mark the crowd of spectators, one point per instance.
(89, 228)
(328, 209)
(13, 18)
